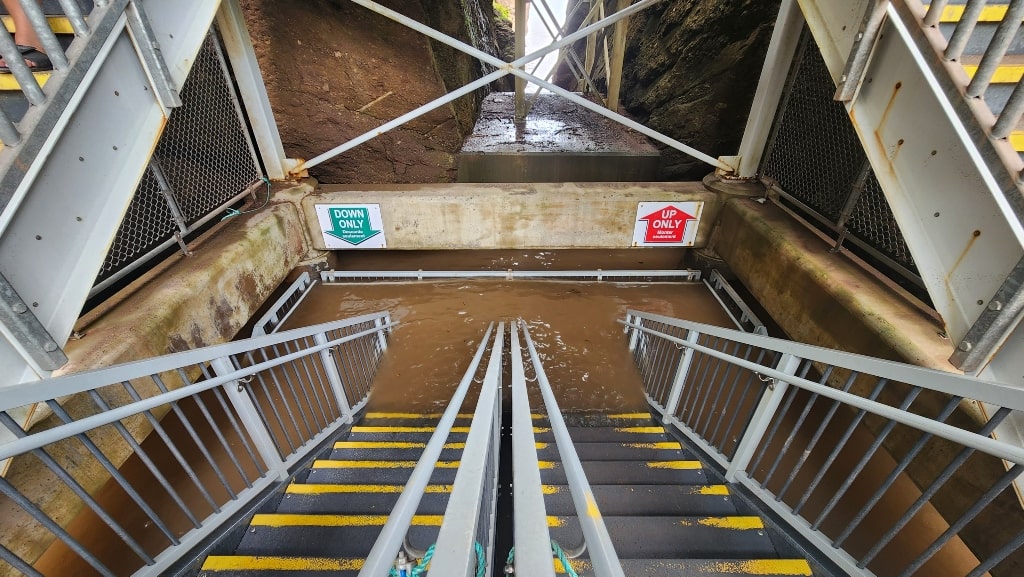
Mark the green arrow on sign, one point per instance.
(351, 225)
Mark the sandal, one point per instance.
(37, 61)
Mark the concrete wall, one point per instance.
(511, 216)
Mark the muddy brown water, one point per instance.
(572, 324)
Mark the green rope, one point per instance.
(421, 567)
(557, 551)
(233, 212)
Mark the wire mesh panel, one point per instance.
(147, 224)
(206, 158)
(817, 161)
(873, 222)
(205, 151)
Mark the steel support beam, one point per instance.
(522, 16)
(781, 48)
(958, 210)
(71, 201)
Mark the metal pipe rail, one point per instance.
(470, 516)
(599, 543)
(599, 275)
(385, 549)
(532, 538)
(778, 415)
(284, 306)
(232, 419)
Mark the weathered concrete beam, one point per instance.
(511, 216)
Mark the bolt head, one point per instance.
(966, 347)
(19, 308)
(50, 347)
(995, 306)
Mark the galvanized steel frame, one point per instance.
(783, 374)
(385, 549)
(601, 550)
(334, 276)
(516, 68)
(226, 378)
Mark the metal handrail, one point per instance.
(532, 536)
(599, 543)
(284, 306)
(469, 516)
(385, 549)
(510, 274)
(323, 372)
(39, 391)
(752, 398)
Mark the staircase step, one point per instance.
(702, 567)
(358, 499)
(402, 434)
(644, 537)
(59, 23)
(655, 451)
(268, 566)
(686, 472)
(328, 472)
(316, 535)
(633, 434)
(371, 451)
(682, 500)
(8, 82)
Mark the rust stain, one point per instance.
(890, 157)
(960, 259)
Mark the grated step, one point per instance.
(682, 500)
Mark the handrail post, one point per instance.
(379, 323)
(635, 336)
(334, 377)
(672, 404)
(250, 418)
(762, 418)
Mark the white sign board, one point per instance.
(667, 223)
(351, 225)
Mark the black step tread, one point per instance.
(324, 540)
(704, 567)
(657, 500)
(322, 499)
(395, 473)
(388, 454)
(629, 473)
(646, 537)
(624, 434)
(401, 436)
(622, 451)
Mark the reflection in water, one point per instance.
(573, 325)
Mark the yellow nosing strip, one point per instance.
(664, 445)
(1005, 74)
(317, 489)
(737, 523)
(541, 430)
(677, 465)
(748, 568)
(712, 490)
(405, 445)
(377, 415)
(629, 416)
(993, 13)
(362, 429)
(292, 520)
(1017, 140)
(8, 82)
(245, 563)
(331, 464)
(645, 430)
(550, 489)
(59, 24)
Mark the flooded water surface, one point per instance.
(573, 325)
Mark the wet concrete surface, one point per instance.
(554, 124)
(573, 325)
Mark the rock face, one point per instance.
(335, 70)
(690, 71)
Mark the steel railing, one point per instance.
(230, 421)
(284, 306)
(598, 542)
(809, 432)
(469, 518)
(510, 274)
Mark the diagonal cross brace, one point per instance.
(504, 68)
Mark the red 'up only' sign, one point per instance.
(667, 223)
